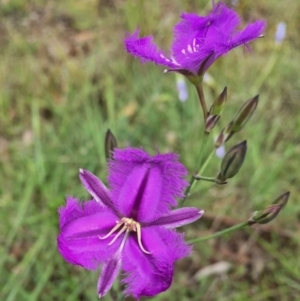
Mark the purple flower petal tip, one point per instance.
(108, 275)
(198, 40)
(95, 188)
(131, 226)
(178, 218)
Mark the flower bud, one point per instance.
(224, 135)
(244, 114)
(270, 213)
(110, 144)
(219, 103)
(266, 215)
(233, 161)
(211, 122)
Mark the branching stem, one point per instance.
(219, 233)
(199, 89)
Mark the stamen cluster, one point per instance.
(129, 225)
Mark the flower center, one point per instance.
(129, 225)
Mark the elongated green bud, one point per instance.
(110, 144)
(219, 103)
(271, 212)
(244, 114)
(233, 161)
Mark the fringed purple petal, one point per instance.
(223, 21)
(81, 224)
(223, 44)
(250, 33)
(177, 218)
(148, 275)
(96, 189)
(146, 50)
(109, 273)
(197, 38)
(193, 32)
(145, 187)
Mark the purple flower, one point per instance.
(131, 226)
(198, 41)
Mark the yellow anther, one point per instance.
(139, 237)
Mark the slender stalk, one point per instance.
(202, 150)
(201, 170)
(207, 179)
(219, 233)
(199, 89)
(192, 180)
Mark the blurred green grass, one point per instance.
(65, 78)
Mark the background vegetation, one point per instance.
(65, 79)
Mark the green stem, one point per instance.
(202, 150)
(192, 180)
(220, 233)
(206, 162)
(202, 100)
(207, 179)
(201, 170)
(199, 89)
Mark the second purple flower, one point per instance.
(198, 41)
